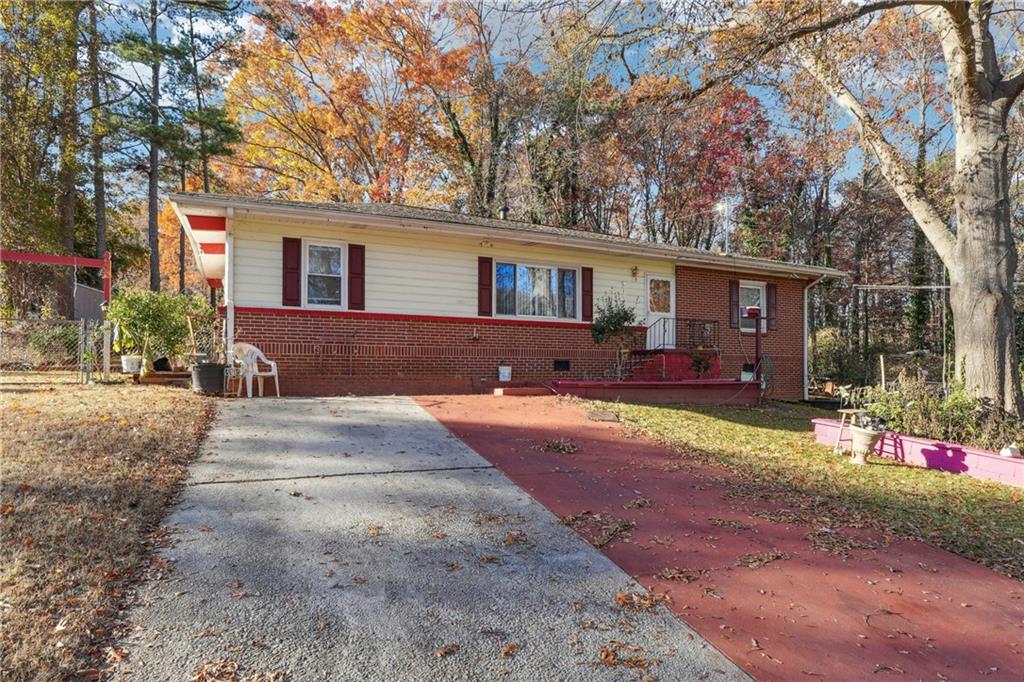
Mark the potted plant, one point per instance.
(150, 324)
(865, 436)
(121, 315)
(208, 352)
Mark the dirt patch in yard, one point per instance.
(88, 472)
(765, 580)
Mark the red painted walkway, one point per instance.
(907, 609)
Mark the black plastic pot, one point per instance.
(208, 378)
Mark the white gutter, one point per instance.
(229, 282)
(807, 331)
(358, 219)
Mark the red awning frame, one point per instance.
(76, 261)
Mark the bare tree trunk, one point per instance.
(181, 241)
(154, 156)
(985, 262)
(98, 183)
(68, 170)
(199, 108)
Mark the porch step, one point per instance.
(522, 390)
(670, 365)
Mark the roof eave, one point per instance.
(333, 214)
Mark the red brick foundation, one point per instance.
(328, 353)
(335, 353)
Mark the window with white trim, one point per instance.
(535, 291)
(323, 276)
(752, 295)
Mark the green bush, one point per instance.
(836, 359)
(613, 318)
(161, 319)
(915, 408)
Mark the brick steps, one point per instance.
(672, 365)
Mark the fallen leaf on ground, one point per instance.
(217, 670)
(639, 601)
(681, 575)
(516, 537)
(566, 446)
(446, 650)
(759, 560)
(730, 523)
(598, 529)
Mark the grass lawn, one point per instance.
(87, 474)
(773, 456)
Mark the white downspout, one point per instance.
(807, 330)
(229, 280)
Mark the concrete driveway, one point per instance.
(356, 539)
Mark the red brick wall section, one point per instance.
(336, 354)
(704, 295)
(366, 355)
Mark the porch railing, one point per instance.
(682, 334)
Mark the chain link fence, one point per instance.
(52, 351)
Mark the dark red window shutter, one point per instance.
(356, 277)
(485, 286)
(291, 271)
(772, 294)
(734, 303)
(587, 294)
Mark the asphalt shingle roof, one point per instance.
(403, 212)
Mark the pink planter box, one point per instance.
(957, 459)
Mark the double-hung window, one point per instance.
(535, 291)
(752, 296)
(323, 282)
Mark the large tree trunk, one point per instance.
(985, 262)
(154, 157)
(98, 183)
(67, 180)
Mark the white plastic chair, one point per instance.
(249, 357)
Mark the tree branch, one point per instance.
(891, 163)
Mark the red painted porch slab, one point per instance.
(688, 392)
(907, 610)
(956, 459)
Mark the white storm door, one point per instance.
(661, 312)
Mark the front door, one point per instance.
(661, 312)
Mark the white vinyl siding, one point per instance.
(421, 272)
